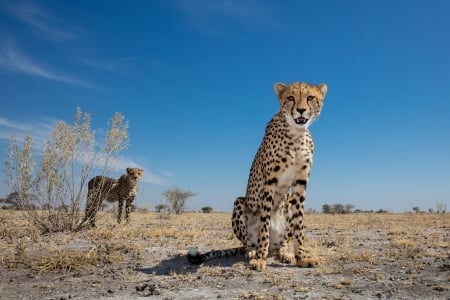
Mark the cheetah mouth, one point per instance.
(301, 120)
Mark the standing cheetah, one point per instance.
(269, 219)
(113, 190)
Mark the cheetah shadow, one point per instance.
(180, 265)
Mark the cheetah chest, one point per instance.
(278, 225)
(298, 159)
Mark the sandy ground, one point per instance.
(361, 257)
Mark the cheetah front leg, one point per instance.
(129, 204)
(128, 208)
(119, 212)
(285, 254)
(295, 226)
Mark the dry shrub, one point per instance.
(51, 195)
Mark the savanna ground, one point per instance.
(375, 256)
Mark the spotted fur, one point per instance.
(269, 219)
(119, 190)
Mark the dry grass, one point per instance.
(21, 245)
(350, 248)
(330, 238)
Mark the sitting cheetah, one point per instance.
(269, 219)
(113, 190)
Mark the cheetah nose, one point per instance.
(301, 110)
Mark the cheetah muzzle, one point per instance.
(301, 120)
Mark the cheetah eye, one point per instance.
(310, 98)
(291, 98)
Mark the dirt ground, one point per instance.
(362, 256)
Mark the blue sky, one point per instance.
(195, 80)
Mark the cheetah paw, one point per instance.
(286, 257)
(258, 264)
(251, 254)
(307, 263)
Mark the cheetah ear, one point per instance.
(279, 88)
(129, 170)
(323, 88)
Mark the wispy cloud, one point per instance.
(226, 17)
(39, 20)
(39, 129)
(14, 60)
(121, 66)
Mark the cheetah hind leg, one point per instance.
(239, 222)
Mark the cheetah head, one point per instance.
(301, 102)
(135, 173)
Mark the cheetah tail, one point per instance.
(196, 258)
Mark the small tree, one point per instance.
(441, 207)
(338, 208)
(65, 164)
(176, 199)
(326, 209)
(160, 207)
(207, 209)
(348, 208)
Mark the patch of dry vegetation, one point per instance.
(331, 238)
(357, 253)
(21, 244)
